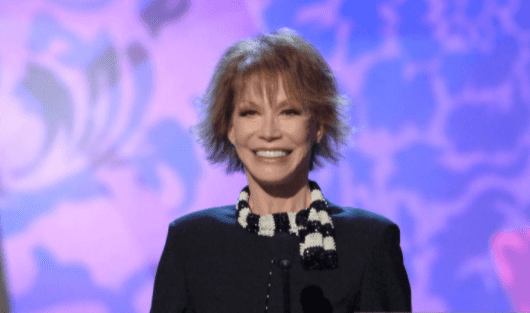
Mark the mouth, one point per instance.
(287, 152)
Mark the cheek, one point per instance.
(299, 133)
(243, 129)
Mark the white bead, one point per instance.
(329, 243)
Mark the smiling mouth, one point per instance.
(287, 152)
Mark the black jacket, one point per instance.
(211, 264)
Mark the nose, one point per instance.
(270, 127)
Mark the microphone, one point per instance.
(313, 300)
(285, 265)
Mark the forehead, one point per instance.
(262, 86)
(258, 82)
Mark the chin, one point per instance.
(270, 174)
(274, 178)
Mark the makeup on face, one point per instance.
(271, 135)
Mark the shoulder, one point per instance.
(362, 222)
(358, 216)
(205, 221)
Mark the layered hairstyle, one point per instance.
(307, 79)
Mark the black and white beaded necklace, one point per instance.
(312, 225)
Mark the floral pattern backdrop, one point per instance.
(97, 98)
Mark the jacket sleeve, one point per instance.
(169, 292)
(385, 285)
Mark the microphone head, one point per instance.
(284, 263)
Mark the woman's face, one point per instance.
(258, 126)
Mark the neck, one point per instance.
(270, 199)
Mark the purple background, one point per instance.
(97, 98)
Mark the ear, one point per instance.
(231, 134)
(320, 133)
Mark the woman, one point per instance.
(272, 109)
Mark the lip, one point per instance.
(275, 160)
(287, 152)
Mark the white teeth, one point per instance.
(271, 153)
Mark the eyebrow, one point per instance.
(280, 105)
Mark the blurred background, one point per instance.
(96, 159)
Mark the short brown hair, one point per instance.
(308, 80)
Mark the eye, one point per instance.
(246, 112)
(292, 111)
(288, 112)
